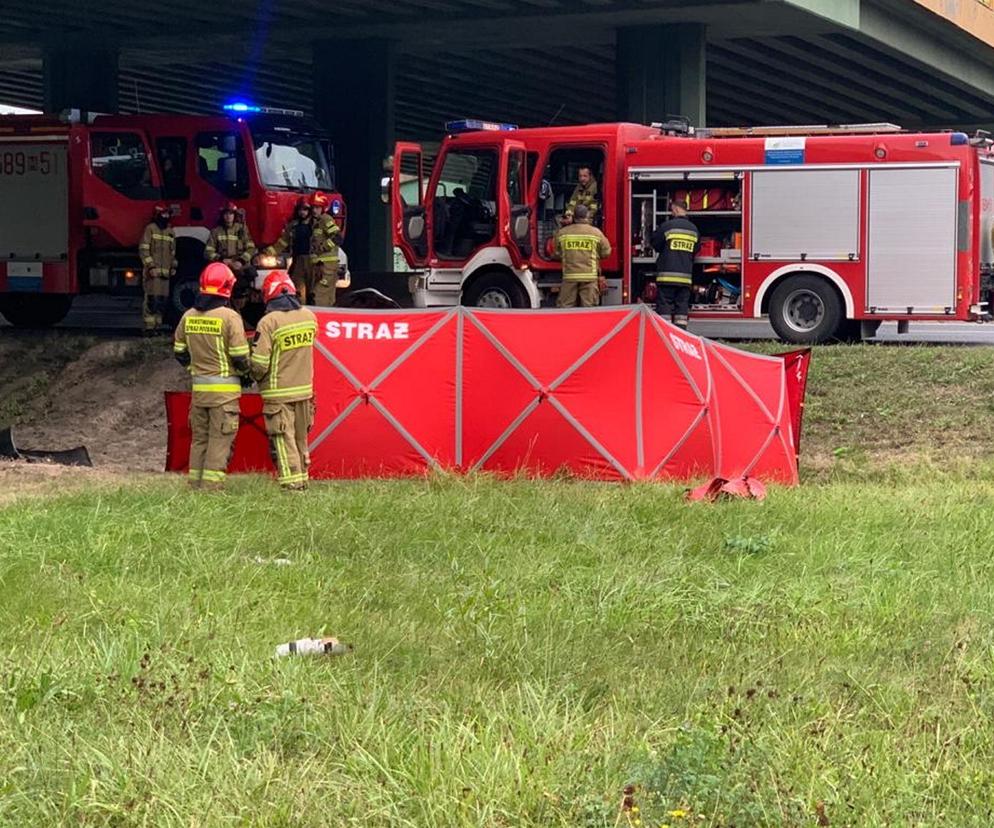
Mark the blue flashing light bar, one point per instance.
(239, 106)
(959, 138)
(475, 125)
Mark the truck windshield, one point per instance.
(292, 161)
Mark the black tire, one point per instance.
(806, 310)
(495, 289)
(33, 310)
(182, 294)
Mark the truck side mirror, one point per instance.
(385, 186)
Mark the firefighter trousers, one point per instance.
(302, 274)
(214, 431)
(287, 425)
(673, 303)
(325, 279)
(587, 294)
(155, 302)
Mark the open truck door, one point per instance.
(515, 213)
(407, 204)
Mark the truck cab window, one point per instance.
(120, 161)
(560, 179)
(171, 153)
(465, 205)
(221, 163)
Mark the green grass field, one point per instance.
(524, 651)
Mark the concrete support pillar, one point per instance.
(354, 101)
(80, 76)
(662, 71)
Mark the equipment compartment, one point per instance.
(714, 203)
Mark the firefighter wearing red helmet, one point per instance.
(157, 249)
(283, 365)
(325, 237)
(210, 342)
(231, 243)
(296, 238)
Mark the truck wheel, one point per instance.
(182, 295)
(495, 290)
(806, 310)
(27, 310)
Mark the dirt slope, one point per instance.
(61, 390)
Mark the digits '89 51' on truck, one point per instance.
(828, 231)
(77, 192)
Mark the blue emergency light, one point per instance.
(241, 106)
(475, 125)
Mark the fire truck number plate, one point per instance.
(22, 162)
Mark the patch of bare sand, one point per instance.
(107, 396)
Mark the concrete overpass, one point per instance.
(375, 70)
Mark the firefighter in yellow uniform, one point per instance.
(325, 236)
(584, 193)
(296, 238)
(157, 249)
(231, 243)
(283, 365)
(580, 246)
(210, 342)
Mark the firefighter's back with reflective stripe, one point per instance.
(213, 338)
(283, 355)
(581, 246)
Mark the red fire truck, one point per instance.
(828, 231)
(76, 193)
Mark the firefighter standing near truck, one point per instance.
(210, 342)
(580, 246)
(157, 249)
(296, 237)
(584, 193)
(675, 240)
(231, 243)
(325, 236)
(283, 366)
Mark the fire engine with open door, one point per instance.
(828, 231)
(76, 192)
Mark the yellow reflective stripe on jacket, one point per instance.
(270, 393)
(216, 389)
(238, 350)
(262, 359)
(180, 347)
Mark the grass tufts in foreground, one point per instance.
(523, 652)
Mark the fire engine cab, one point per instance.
(76, 192)
(828, 231)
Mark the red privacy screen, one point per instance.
(605, 393)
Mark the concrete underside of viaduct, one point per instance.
(375, 70)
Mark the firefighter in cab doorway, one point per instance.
(157, 249)
(210, 342)
(584, 193)
(283, 365)
(675, 240)
(296, 238)
(580, 247)
(231, 244)
(325, 237)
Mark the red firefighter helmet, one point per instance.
(230, 207)
(161, 210)
(217, 280)
(321, 200)
(277, 283)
